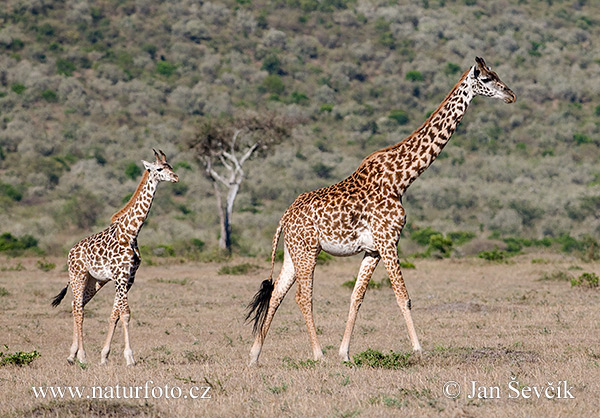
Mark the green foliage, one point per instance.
(239, 269)
(587, 279)
(581, 139)
(10, 191)
(326, 108)
(451, 68)
(133, 171)
(377, 360)
(556, 276)
(494, 255)
(373, 284)
(4, 292)
(299, 98)
(421, 236)
(400, 116)
(19, 358)
(271, 64)
(273, 84)
(50, 96)
(460, 237)
(322, 170)
(12, 244)
(415, 76)
(45, 265)
(165, 68)
(18, 88)
(324, 258)
(441, 244)
(65, 67)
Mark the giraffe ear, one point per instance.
(474, 72)
(147, 165)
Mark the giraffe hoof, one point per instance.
(70, 360)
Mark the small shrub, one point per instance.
(4, 292)
(12, 244)
(18, 88)
(50, 96)
(238, 269)
(558, 276)
(414, 76)
(373, 284)
(400, 116)
(133, 171)
(495, 255)
(18, 359)
(45, 265)
(460, 237)
(10, 191)
(441, 244)
(324, 258)
(273, 84)
(423, 235)
(326, 108)
(376, 359)
(65, 67)
(589, 279)
(165, 68)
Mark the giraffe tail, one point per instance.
(258, 307)
(58, 298)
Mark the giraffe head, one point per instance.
(485, 82)
(160, 169)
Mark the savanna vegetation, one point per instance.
(88, 88)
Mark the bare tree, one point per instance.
(225, 145)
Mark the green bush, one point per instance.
(441, 244)
(422, 236)
(165, 68)
(400, 116)
(588, 279)
(273, 84)
(10, 243)
(18, 88)
(239, 269)
(65, 67)
(377, 360)
(50, 96)
(133, 171)
(18, 359)
(10, 191)
(494, 255)
(414, 76)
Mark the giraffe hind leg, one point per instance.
(80, 282)
(282, 285)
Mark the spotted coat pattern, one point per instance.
(364, 213)
(113, 254)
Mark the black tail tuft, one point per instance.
(257, 309)
(58, 298)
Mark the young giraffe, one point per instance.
(112, 254)
(363, 213)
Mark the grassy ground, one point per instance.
(482, 322)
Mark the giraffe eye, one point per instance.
(486, 80)
(159, 169)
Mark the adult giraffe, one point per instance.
(363, 213)
(112, 254)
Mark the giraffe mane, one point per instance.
(132, 199)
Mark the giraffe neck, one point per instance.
(409, 158)
(135, 212)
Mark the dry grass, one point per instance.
(477, 322)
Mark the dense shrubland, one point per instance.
(88, 88)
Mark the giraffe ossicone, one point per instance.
(363, 213)
(112, 254)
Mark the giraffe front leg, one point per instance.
(367, 267)
(392, 265)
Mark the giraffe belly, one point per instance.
(355, 243)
